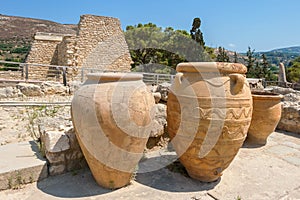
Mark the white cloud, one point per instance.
(231, 45)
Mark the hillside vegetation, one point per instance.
(16, 34)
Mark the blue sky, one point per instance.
(233, 24)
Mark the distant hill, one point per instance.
(284, 55)
(288, 50)
(22, 28)
(16, 35)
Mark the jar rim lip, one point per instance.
(221, 67)
(266, 95)
(114, 76)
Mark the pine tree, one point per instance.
(196, 34)
(235, 58)
(250, 61)
(222, 55)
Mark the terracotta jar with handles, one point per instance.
(112, 115)
(209, 111)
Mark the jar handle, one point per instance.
(237, 82)
(178, 81)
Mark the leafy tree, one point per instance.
(151, 44)
(222, 55)
(294, 70)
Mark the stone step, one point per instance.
(21, 163)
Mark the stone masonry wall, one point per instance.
(43, 51)
(101, 44)
(66, 55)
(44, 48)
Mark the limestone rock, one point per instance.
(283, 91)
(2, 93)
(157, 96)
(290, 116)
(74, 86)
(51, 87)
(160, 120)
(9, 92)
(163, 89)
(290, 119)
(55, 141)
(29, 89)
(255, 83)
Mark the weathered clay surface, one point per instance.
(265, 117)
(113, 120)
(290, 116)
(209, 113)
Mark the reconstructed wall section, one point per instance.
(99, 44)
(44, 48)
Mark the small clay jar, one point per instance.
(266, 115)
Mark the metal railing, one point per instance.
(33, 72)
(295, 86)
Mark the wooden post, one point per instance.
(64, 76)
(82, 74)
(26, 72)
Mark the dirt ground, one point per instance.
(17, 122)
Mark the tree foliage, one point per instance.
(294, 70)
(259, 68)
(250, 63)
(222, 55)
(150, 44)
(196, 33)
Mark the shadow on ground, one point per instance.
(72, 185)
(172, 178)
(296, 135)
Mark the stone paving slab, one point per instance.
(20, 163)
(258, 172)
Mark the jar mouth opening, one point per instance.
(265, 94)
(217, 67)
(110, 76)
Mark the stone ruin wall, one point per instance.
(44, 48)
(99, 44)
(66, 54)
(43, 51)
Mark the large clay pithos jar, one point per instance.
(266, 115)
(209, 111)
(112, 115)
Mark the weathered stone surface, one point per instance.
(290, 119)
(163, 89)
(55, 141)
(29, 89)
(283, 91)
(9, 92)
(51, 87)
(157, 97)
(74, 86)
(290, 116)
(99, 44)
(57, 169)
(62, 150)
(160, 120)
(255, 83)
